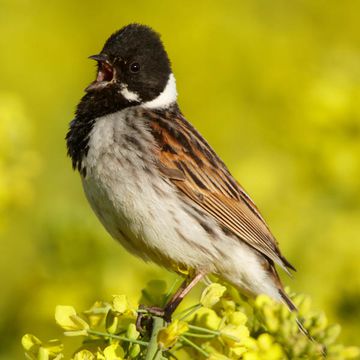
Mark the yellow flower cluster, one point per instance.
(223, 325)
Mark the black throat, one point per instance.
(93, 105)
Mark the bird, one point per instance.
(156, 184)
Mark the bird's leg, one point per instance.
(183, 290)
(173, 303)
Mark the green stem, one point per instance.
(117, 337)
(189, 311)
(198, 348)
(213, 332)
(169, 293)
(153, 349)
(208, 331)
(158, 355)
(204, 336)
(180, 313)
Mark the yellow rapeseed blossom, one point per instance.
(131, 332)
(69, 320)
(111, 352)
(29, 341)
(212, 294)
(118, 322)
(38, 350)
(134, 351)
(267, 350)
(229, 330)
(234, 334)
(167, 337)
(207, 318)
(96, 314)
(120, 303)
(237, 318)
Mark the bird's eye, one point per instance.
(135, 67)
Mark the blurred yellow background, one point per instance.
(273, 85)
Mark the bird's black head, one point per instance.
(133, 69)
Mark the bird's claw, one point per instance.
(144, 319)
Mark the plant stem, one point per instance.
(169, 293)
(198, 348)
(213, 332)
(205, 336)
(208, 331)
(191, 311)
(183, 312)
(152, 349)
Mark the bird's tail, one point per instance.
(292, 307)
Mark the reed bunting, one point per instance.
(156, 184)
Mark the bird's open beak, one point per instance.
(105, 75)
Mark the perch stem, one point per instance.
(153, 349)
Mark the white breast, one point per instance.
(135, 204)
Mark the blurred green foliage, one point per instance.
(221, 326)
(274, 86)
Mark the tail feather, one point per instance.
(288, 302)
(291, 306)
(287, 263)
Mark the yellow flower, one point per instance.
(266, 349)
(227, 304)
(134, 351)
(265, 341)
(233, 335)
(237, 351)
(207, 318)
(167, 337)
(68, 319)
(113, 352)
(54, 347)
(237, 318)
(96, 314)
(131, 332)
(262, 300)
(36, 349)
(29, 341)
(117, 322)
(251, 356)
(120, 303)
(271, 318)
(212, 294)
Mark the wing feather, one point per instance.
(204, 178)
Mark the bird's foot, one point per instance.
(144, 319)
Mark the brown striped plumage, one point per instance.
(195, 169)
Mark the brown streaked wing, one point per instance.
(204, 178)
